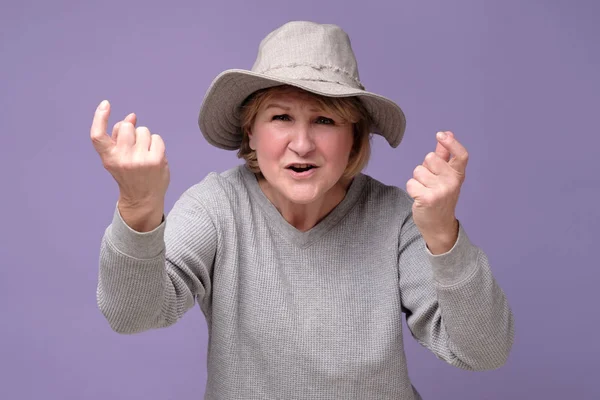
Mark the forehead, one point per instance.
(292, 96)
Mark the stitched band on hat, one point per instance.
(314, 72)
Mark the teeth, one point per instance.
(301, 165)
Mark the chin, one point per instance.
(303, 195)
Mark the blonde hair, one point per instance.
(349, 108)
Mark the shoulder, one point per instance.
(386, 196)
(217, 190)
(216, 182)
(381, 212)
(381, 207)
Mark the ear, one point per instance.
(251, 143)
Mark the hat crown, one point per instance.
(317, 58)
(308, 51)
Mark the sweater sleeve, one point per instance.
(453, 305)
(149, 280)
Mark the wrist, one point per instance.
(141, 216)
(443, 240)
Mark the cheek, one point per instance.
(268, 145)
(338, 148)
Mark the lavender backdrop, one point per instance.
(516, 81)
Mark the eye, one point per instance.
(282, 117)
(325, 121)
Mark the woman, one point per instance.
(301, 264)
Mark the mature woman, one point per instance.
(301, 264)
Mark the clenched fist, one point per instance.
(137, 161)
(435, 187)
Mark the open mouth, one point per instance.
(301, 167)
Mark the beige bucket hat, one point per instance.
(315, 57)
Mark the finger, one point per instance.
(131, 118)
(435, 163)
(115, 132)
(425, 176)
(142, 138)
(157, 145)
(461, 156)
(102, 142)
(415, 189)
(126, 136)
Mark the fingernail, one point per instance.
(442, 135)
(103, 105)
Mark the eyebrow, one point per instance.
(286, 108)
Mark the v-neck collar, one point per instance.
(296, 236)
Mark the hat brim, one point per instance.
(219, 117)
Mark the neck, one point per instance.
(306, 216)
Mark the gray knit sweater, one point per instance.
(305, 315)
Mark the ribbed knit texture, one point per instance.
(305, 315)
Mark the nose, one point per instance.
(301, 141)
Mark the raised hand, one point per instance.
(435, 187)
(137, 161)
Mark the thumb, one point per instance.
(440, 150)
(100, 139)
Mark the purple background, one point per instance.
(516, 81)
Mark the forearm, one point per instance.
(130, 291)
(453, 304)
(473, 308)
(135, 291)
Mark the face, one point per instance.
(302, 150)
